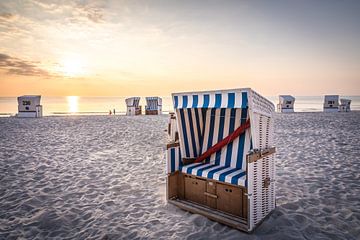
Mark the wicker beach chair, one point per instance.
(286, 104)
(29, 106)
(345, 105)
(223, 166)
(331, 103)
(133, 107)
(153, 106)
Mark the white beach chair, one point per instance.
(331, 103)
(344, 105)
(223, 165)
(133, 107)
(29, 106)
(153, 106)
(286, 104)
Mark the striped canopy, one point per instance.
(223, 99)
(204, 119)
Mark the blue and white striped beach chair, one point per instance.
(153, 106)
(222, 166)
(133, 106)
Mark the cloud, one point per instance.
(95, 15)
(6, 16)
(73, 11)
(17, 66)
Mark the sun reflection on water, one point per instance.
(73, 104)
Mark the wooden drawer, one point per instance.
(194, 190)
(230, 199)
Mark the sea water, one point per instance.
(73, 105)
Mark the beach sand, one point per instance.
(103, 177)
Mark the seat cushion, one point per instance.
(217, 172)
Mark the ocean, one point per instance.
(79, 105)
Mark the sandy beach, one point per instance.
(103, 177)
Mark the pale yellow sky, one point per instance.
(122, 48)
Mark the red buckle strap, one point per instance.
(240, 130)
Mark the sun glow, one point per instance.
(73, 104)
(73, 66)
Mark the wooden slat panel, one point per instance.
(194, 190)
(230, 199)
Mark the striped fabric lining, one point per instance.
(191, 124)
(214, 125)
(153, 103)
(228, 164)
(173, 157)
(211, 100)
(204, 120)
(216, 172)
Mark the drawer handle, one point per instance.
(210, 195)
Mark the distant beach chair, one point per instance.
(153, 106)
(286, 104)
(223, 164)
(344, 105)
(133, 107)
(29, 106)
(331, 103)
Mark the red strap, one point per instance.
(241, 129)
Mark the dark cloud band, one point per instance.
(17, 66)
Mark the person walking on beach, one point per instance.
(114, 111)
(109, 112)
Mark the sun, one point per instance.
(73, 66)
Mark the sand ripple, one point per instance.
(103, 177)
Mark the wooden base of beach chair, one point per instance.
(151, 112)
(219, 201)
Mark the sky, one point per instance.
(125, 48)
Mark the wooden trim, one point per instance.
(212, 180)
(172, 185)
(210, 195)
(152, 112)
(187, 161)
(245, 204)
(227, 219)
(172, 145)
(258, 154)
